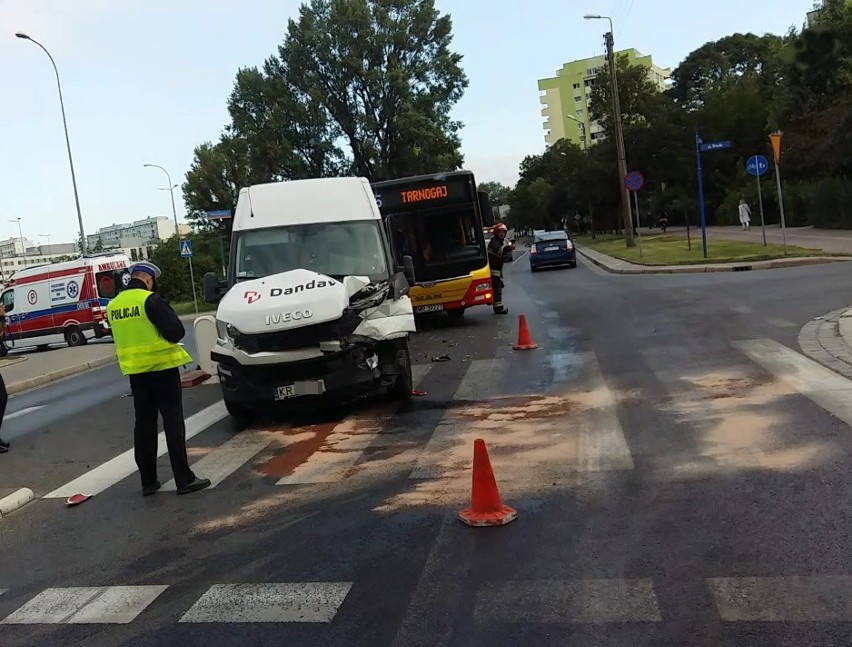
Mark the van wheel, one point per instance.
(239, 412)
(74, 336)
(404, 383)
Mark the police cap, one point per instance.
(147, 267)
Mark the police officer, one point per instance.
(4, 396)
(497, 250)
(146, 332)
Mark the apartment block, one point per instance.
(566, 97)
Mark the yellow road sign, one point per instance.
(775, 138)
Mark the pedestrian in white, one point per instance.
(745, 216)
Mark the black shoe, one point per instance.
(195, 486)
(4, 444)
(501, 311)
(151, 489)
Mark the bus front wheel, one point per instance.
(458, 313)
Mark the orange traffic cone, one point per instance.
(525, 341)
(486, 508)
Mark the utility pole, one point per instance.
(619, 142)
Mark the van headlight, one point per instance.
(364, 299)
(225, 331)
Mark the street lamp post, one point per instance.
(84, 247)
(582, 129)
(619, 130)
(21, 235)
(171, 191)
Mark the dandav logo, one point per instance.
(251, 296)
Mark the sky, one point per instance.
(146, 81)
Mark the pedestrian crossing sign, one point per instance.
(186, 248)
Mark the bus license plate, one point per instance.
(313, 387)
(437, 307)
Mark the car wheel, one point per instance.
(403, 384)
(75, 337)
(241, 413)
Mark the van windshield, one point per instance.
(335, 249)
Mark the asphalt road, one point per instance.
(39, 410)
(681, 474)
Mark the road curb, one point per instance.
(47, 378)
(16, 500)
(603, 261)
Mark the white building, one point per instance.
(14, 246)
(139, 233)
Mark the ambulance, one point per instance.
(62, 302)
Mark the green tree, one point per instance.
(174, 284)
(384, 73)
(499, 193)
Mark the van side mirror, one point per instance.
(214, 289)
(408, 269)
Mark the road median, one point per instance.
(610, 255)
(23, 371)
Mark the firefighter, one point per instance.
(146, 332)
(498, 248)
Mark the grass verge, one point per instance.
(673, 250)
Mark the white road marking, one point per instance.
(226, 459)
(108, 474)
(22, 412)
(783, 599)
(588, 437)
(419, 373)
(823, 386)
(286, 602)
(782, 323)
(567, 601)
(479, 381)
(86, 605)
(340, 450)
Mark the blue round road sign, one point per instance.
(634, 180)
(757, 165)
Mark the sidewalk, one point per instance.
(617, 266)
(27, 369)
(828, 340)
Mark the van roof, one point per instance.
(298, 202)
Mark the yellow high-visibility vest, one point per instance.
(138, 344)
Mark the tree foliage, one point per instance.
(739, 88)
(360, 87)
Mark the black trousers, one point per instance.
(497, 289)
(4, 399)
(155, 393)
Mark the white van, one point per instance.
(313, 306)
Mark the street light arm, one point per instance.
(171, 191)
(67, 138)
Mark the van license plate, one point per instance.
(313, 387)
(437, 307)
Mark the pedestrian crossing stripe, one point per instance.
(779, 599)
(599, 442)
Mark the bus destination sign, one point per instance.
(425, 195)
(405, 197)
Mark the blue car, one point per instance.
(552, 248)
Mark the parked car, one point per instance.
(550, 249)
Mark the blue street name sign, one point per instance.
(715, 146)
(757, 165)
(219, 215)
(186, 249)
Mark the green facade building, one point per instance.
(566, 97)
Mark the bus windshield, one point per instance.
(436, 222)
